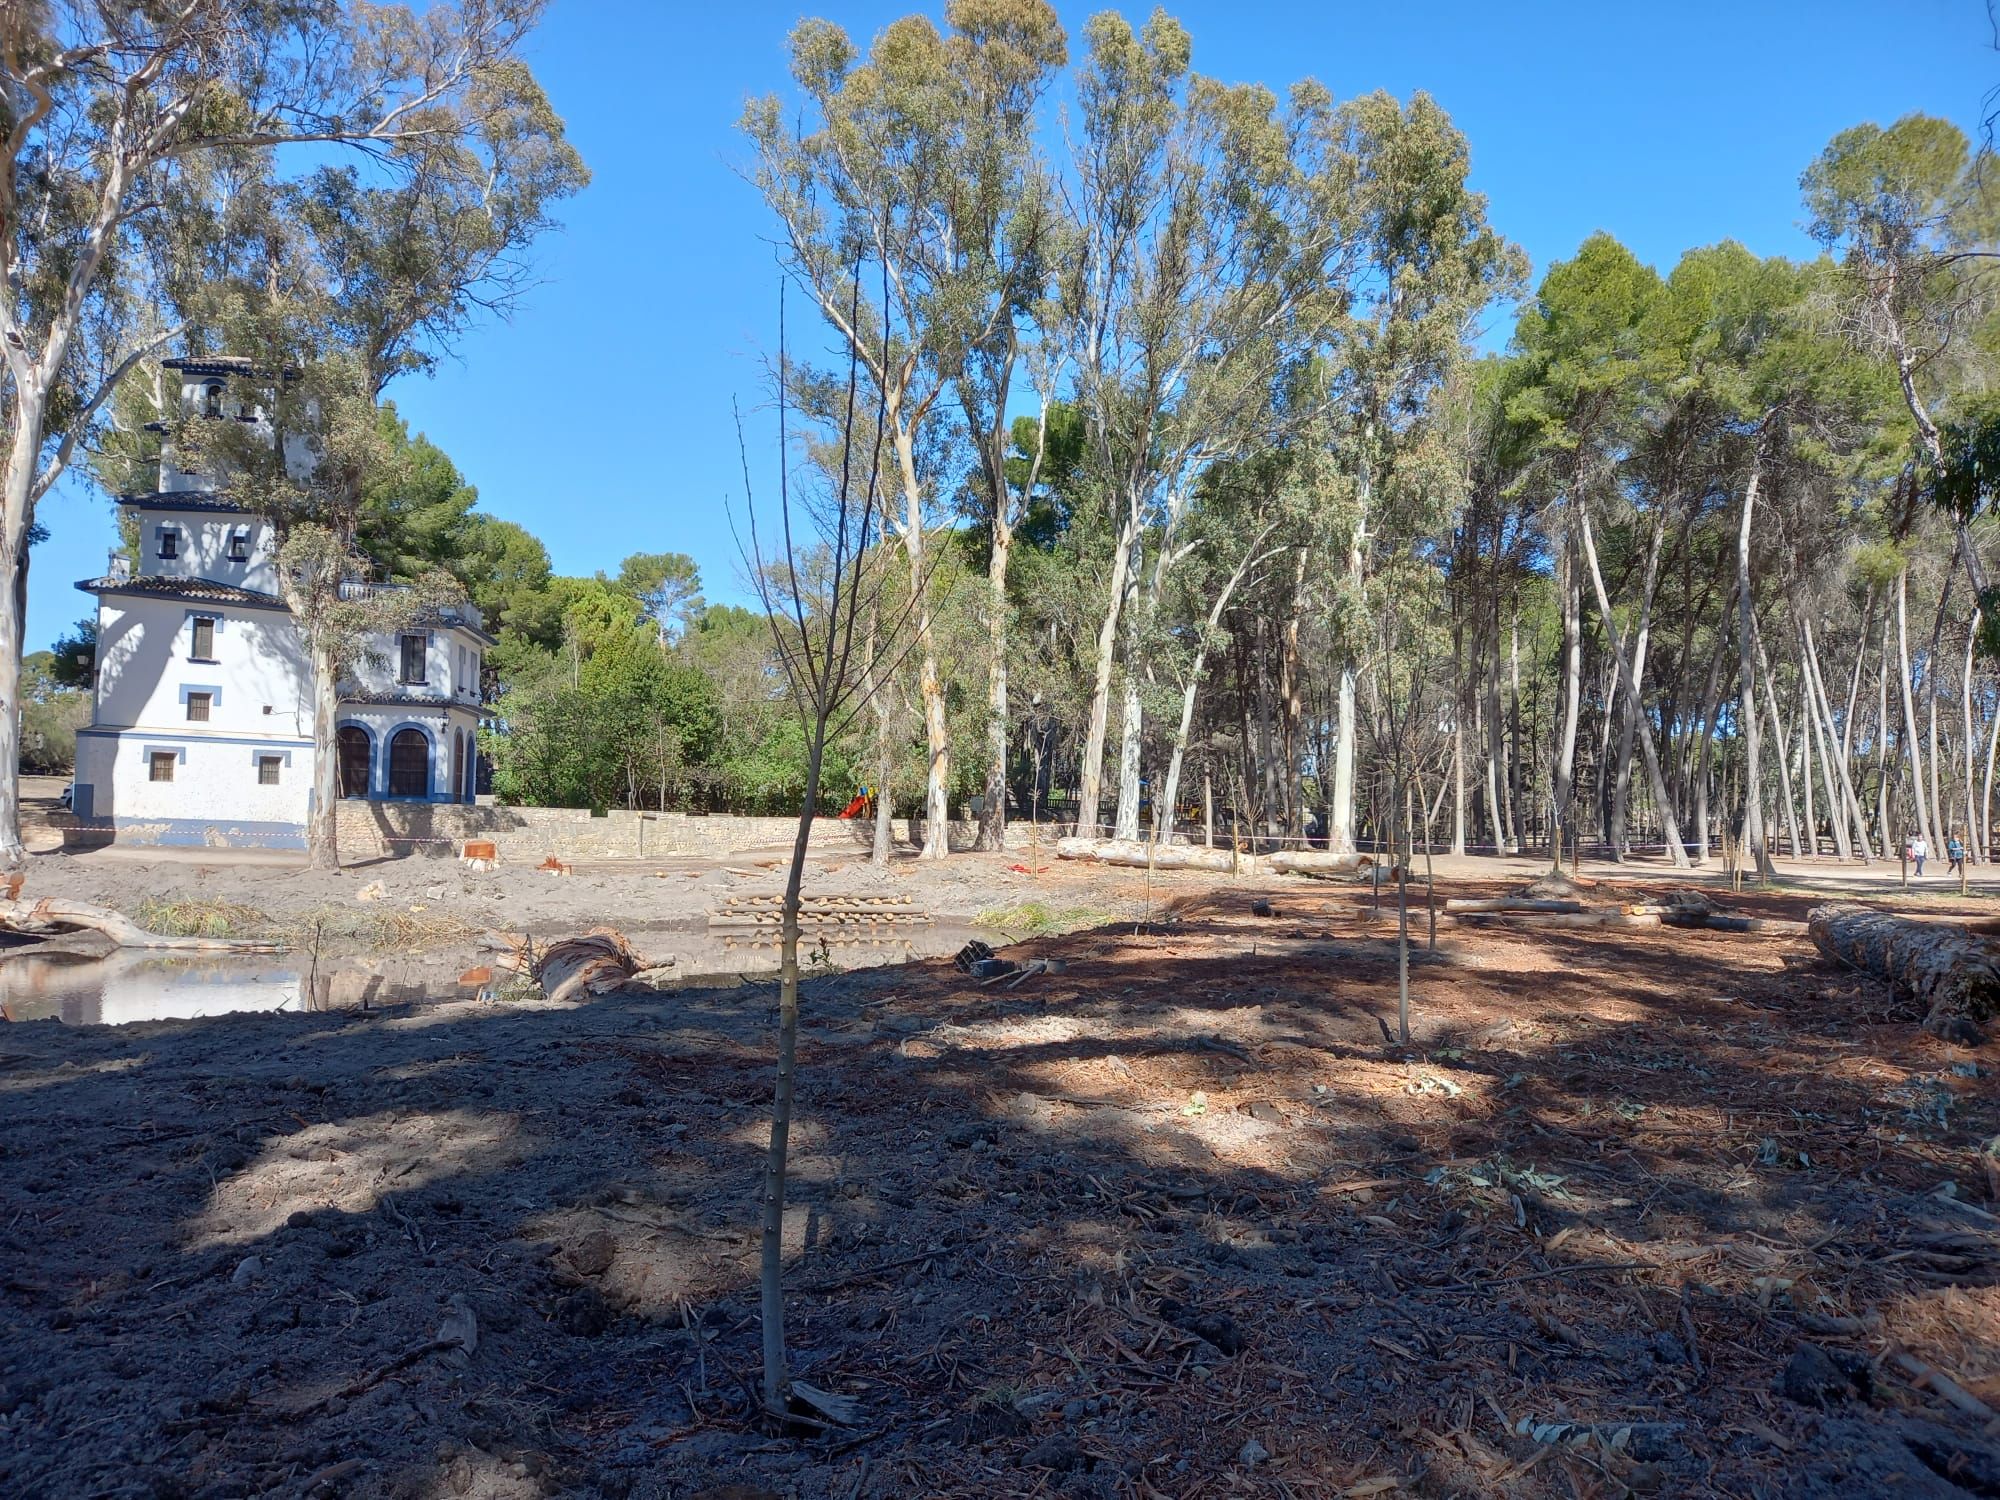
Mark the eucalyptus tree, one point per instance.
(1010, 234)
(1427, 264)
(121, 127)
(344, 281)
(897, 197)
(1208, 225)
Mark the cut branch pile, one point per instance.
(1954, 972)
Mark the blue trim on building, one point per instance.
(430, 734)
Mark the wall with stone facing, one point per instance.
(533, 834)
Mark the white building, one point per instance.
(202, 731)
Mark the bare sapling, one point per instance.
(820, 594)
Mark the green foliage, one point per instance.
(51, 714)
(73, 658)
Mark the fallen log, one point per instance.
(50, 915)
(1322, 865)
(1141, 856)
(1568, 919)
(1955, 973)
(1461, 904)
(1716, 921)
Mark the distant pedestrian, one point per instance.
(1920, 850)
(1954, 850)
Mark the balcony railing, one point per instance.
(361, 590)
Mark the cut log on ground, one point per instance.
(1565, 919)
(1716, 921)
(1139, 855)
(1321, 865)
(1459, 905)
(1955, 973)
(49, 916)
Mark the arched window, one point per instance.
(457, 762)
(212, 399)
(355, 754)
(410, 764)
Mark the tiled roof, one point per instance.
(179, 500)
(201, 590)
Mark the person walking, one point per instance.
(1920, 850)
(1954, 851)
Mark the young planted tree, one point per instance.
(124, 130)
(811, 578)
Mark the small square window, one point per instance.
(170, 544)
(203, 648)
(239, 546)
(160, 766)
(267, 770)
(198, 705)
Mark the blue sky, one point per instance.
(599, 416)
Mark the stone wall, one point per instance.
(533, 834)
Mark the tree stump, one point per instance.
(1952, 971)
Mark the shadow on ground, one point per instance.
(1178, 1219)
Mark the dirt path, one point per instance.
(1174, 1221)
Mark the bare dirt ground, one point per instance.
(1650, 1212)
(442, 903)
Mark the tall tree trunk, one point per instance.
(16, 516)
(1965, 707)
(1458, 791)
(323, 817)
(1912, 754)
(1516, 807)
(1986, 787)
(1753, 784)
(1933, 672)
(1291, 675)
(993, 814)
(1562, 788)
(1126, 823)
(937, 731)
(1122, 579)
(1842, 803)
(1806, 775)
(1778, 738)
(1703, 744)
(1632, 684)
(1882, 745)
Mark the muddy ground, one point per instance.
(1654, 1212)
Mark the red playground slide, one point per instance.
(856, 808)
